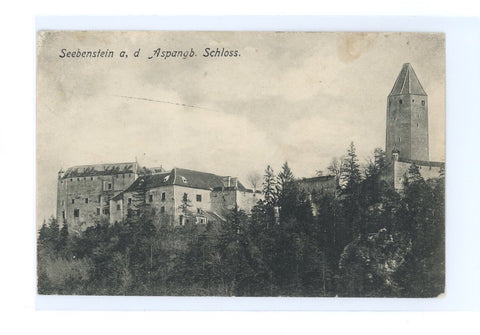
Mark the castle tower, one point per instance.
(407, 117)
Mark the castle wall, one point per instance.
(401, 169)
(81, 200)
(223, 200)
(317, 184)
(407, 126)
(246, 200)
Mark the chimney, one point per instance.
(226, 181)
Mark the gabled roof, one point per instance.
(407, 82)
(180, 177)
(99, 170)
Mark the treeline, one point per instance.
(365, 240)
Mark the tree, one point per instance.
(253, 179)
(336, 169)
(270, 187)
(350, 192)
(184, 206)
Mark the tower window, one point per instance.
(76, 213)
(423, 102)
(400, 101)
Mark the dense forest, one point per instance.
(366, 240)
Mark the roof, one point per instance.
(180, 177)
(407, 82)
(422, 163)
(315, 179)
(100, 170)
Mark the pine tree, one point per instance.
(270, 187)
(350, 192)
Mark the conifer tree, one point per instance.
(269, 187)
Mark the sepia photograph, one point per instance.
(240, 164)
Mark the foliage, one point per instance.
(366, 240)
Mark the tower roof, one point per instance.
(407, 82)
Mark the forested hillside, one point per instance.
(366, 240)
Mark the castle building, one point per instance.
(407, 130)
(84, 192)
(184, 196)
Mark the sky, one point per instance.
(296, 97)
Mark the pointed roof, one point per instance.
(407, 82)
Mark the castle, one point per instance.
(407, 131)
(89, 192)
(183, 196)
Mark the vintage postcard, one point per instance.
(256, 164)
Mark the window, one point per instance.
(116, 176)
(399, 139)
(76, 213)
(417, 124)
(163, 196)
(100, 199)
(84, 178)
(71, 179)
(118, 207)
(423, 102)
(98, 211)
(162, 209)
(199, 198)
(86, 200)
(166, 178)
(109, 186)
(63, 214)
(63, 202)
(129, 201)
(150, 197)
(401, 101)
(181, 220)
(78, 179)
(184, 180)
(106, 211)
(73, 201)
(413, 100)
(199, 210)
(91, 178)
